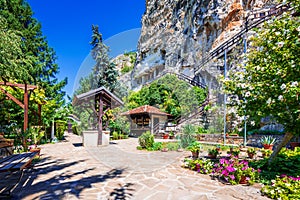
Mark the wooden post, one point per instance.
(25, 108)
(100, 115)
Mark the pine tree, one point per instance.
(104, 71)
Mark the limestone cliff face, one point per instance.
(177, 34)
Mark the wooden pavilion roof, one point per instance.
(108, 97)
(146, 109)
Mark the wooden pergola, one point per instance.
(24, 104)
(99, 100)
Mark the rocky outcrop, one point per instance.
(177, 34)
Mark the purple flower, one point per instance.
(244, 162)
(244, 168)
(232, 177)
(224, 172)
(294, 178)
(230, 169)
(247, 178)
(282, 175)
(258, 170)
(222, 161)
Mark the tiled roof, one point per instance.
(145, 109)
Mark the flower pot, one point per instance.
(251, 155)
(268, 146)
(294, 144)
(165, 136)
(243, 180)
(212, 156)
(195, 154)
(38, 150)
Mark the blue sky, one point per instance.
(67, 27)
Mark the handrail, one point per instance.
(252, 21)
(181, 77)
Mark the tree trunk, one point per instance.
(287, 137)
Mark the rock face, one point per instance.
(177, 34)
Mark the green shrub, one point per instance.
(283, 187)
(60, 126)
(188, 136)
(201, 130)
(172, 146)
(115, 135)
(146, 140)
(287, 162)
(76, 129)
(139, 148)
(157, 146)
(194, 146)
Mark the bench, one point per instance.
(12, 169)
(6, 146)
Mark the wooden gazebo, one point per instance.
(146, 118)
(99, 100)
(23, 104)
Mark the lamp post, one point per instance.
(225, 96)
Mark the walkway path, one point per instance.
(119, 171)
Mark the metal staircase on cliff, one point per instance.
(253, 19)
(198, 110)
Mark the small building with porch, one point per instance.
(146, 118)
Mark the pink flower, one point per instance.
(224, 172)
(244, 168)
(282, 175)
(230, 169)
(232, 177)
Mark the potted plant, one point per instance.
(213, 153)
(266, 152)
(251, 152)
(194, 148)
(171, 135)
(236, 152)
(165, 136)
(268, 141)
(218, 148)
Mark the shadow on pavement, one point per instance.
(58, 185)
(123, 192)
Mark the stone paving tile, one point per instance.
(119, 171)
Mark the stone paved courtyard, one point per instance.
(119, 171)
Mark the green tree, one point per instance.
(172, 95)
(32, 60)
(269, 85)
(10, 50)
(104, 71)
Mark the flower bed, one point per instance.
(203, 166)
(283, 187)
(233, 170)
